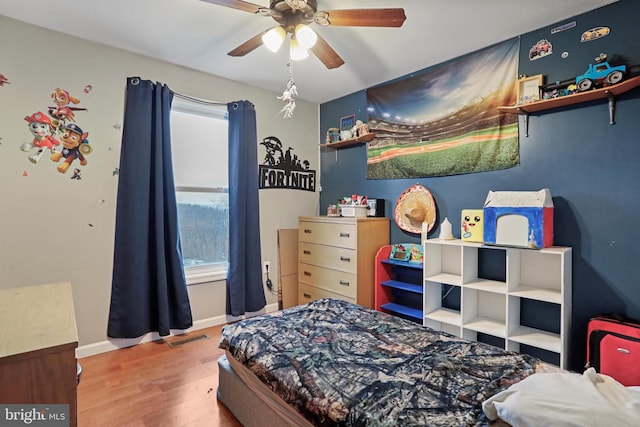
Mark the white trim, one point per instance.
(119, 343)
(206, 276)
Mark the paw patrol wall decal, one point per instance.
(75, 144)
(58, 133)
(41, 127)
(64, 110)
(76, 174)
(3, 80)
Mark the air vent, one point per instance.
(194, 338)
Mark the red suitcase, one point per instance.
(613, 348)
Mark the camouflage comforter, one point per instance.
(341, 364)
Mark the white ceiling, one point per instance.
(198, 35)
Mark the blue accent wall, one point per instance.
(591, 167)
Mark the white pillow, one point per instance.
(566, 399)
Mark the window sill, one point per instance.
(205, 277)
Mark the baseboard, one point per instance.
(118, 343)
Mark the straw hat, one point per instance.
(415, 206)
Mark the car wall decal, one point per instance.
(540, 49)
(595, 33)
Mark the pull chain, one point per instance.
(290, 93)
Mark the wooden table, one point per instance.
(38, 339)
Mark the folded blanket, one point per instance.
(566, 399)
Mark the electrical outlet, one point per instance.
(266, 267)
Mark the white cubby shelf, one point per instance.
(492, 306)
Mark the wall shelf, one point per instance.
(353, 141)
(577, 98)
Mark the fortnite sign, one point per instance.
(281, 169)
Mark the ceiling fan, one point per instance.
(293, 16)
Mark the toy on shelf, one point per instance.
(599, 73)
(472, 225)
(519, 218)
(446, 232)
(399, 252)
(409, 252)
(354, 206)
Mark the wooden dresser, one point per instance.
(37, 346)
(336, 257)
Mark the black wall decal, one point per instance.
(282, 169)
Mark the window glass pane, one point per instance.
(204, 227)
(199, 150)
(200, 160)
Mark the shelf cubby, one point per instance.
(493, 306)
(398, 286)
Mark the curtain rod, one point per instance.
(137, 80)
(197, 100)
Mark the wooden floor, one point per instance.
(153, 384)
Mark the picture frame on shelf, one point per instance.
(529, 89)
(348, 122)
(399, 252)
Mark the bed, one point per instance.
(333, 363)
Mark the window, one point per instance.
(199, 136)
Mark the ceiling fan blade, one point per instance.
(247, 46)
(238, 4)
(389, 17)
(326, 54)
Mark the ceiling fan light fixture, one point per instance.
(306, 36)
(274, 38)
(298, 52)
(296, 4)
(322, 18)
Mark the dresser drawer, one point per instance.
(328, 279)
(327, 256)
(341, 235)
(308, 293)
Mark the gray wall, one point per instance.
(590, 166)
(44, 216)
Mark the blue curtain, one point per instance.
(148, 291)
(244, 278)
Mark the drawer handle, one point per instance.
(306, 295)
(306, 252)
(345, 258)
(344, 234)
(307, 230)
(306, 273)
(623, 350)
(344, 282)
